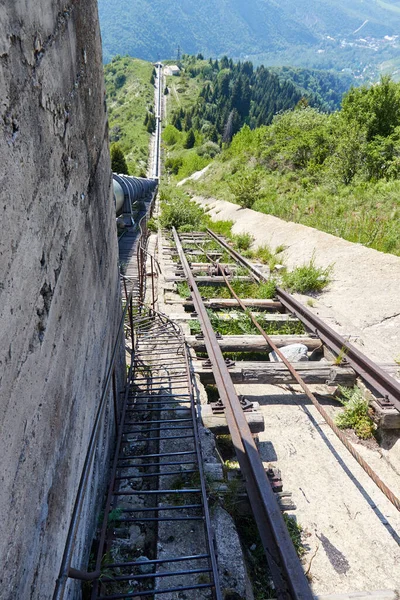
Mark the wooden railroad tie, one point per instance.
(318, 373)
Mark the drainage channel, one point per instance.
(156, 539)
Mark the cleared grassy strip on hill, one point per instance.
(339, 173)
(129, 97)
(361, 213)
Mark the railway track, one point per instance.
(159, 504)
(204, 261)
(157, 536)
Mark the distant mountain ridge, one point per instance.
(154, 29)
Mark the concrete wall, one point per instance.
(59, 298)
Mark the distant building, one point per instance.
(172, 70)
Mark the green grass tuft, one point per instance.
(307, 278)
(242, 241)
(356, 413)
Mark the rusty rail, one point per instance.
(287, 300)
(375, 478)
(375, 376)
(285, 566)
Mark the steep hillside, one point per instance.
(312, 33)
(336, 172)
(326, 87)
(153, 30)
(212, 99)
(130, 93)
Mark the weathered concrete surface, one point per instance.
(351, 530)
(59, 297)
(362, 300)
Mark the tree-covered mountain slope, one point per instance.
(153, 30)
(337, 172)
(211, 100)
(353, 34)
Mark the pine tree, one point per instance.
(118, 162)
(151, 123)
(213, 135)
(190, 140)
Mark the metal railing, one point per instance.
(66, 571)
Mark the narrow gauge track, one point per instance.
(157, 490)
(285, 568)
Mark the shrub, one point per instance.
(152, 225)
(263, 253)
(120, 80)
(209, 148)
(118, 162)
(171, 135)
(307, 278)
(243, 241)
(190, 140)
(355, 415)
(267, 290)
(179, 211)
(174, 164)
(222, 227)
(245, 188)
(191, 163)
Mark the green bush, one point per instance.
(242, 241)
(178, 211)
(356, 413)
(171, 135)
(245, 188)
(152, 225)
(263, 253)
(190, 140)
(222, 227)
(118, 162)
(192, 162)
(173, 164)
(307, 278)
(210, 149)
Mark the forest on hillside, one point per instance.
(338, 172)
(233, 94)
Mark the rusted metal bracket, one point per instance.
(275, 478)
(219, 408)
(384, 403)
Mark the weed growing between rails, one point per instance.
(356, 413)
(180, 212)
(262, 291)
(242, 325)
